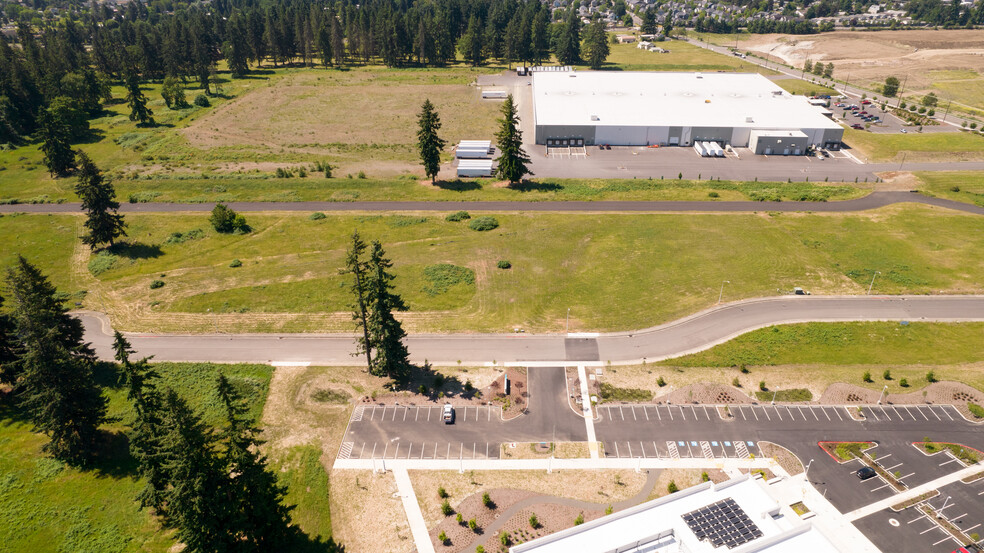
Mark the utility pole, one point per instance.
(873, 281)
(947, 110)
(722, 290)
(903, 161)
(902, 89)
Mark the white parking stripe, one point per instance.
(373, 414)
(825, 413)
(394, 413)
(643, 448)
(873, 414)
(934, 413)
(620, 412)
(658, 416)
(656, 449)
(789, 412)
(837, 412)
(777, 412)
(682, 416)
(405, 411)
(945, 412)
(766, 411)
(669, 409)
(896, 409)
(465, 418)
(814, 413)
(910, 412)
(633, 414)
(705, 413)
(920, 411)
(694, 409)
(948, 538)
(742, 412)
(616, 450)
(645, 411)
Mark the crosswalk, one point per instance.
(346, 451)
(357, 414)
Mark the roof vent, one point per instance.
(595, 118)
(699, 75)
(749, 120)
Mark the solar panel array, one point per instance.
(722, 523)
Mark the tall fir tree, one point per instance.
(385, 331)
(53, 372)
(472, 43)
(146, 429)
(429, 144)
(569, 43)
(102, 218)
(7, 355)
(264, 520)
(513, 160)
(595, 47)
(136, 100)
(356, 266)
(540, 37)
(56, 144)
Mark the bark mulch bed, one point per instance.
(786, 459)
(707, 393)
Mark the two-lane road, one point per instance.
(694, 333)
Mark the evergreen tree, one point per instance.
(808, 66)
(540, 46)
(595, 47)
(472, 44)
(385, 331)
(569, 46)
(828, 71)
(173, 93)
(356, 266)
(136, 100)
(7, 355)
(325, 45)
(56, 144)
(429, 144)
(199, 497)
(512, 161)
(264, 520)
(146, 429)
(53, 372)
(102, 220)
(649, 25)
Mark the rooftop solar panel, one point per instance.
(722, 523)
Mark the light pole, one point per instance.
(568, 320)
(807, 470)
(885, 389)
(721, 295)
(873, 281)
(774, 394)
(215, 325)
(903, 160)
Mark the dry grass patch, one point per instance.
(684, 478)
(367, 514)
(597, 486)
(538, 450)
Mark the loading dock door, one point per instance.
(768, 151)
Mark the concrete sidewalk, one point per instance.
(418, 528)
(462, 465)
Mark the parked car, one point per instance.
(448, 414)
(904, 131)
(865, 473)
(865, 102)
(857, 127)
(863, 112)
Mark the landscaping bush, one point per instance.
(930, 377)
(976, 410)
(887, 375)
(903, 382)
(446, 508)
(633, 395)
(866, 377)
(457, 216)
(182, 237)
(579, 520)
(713, 195)
(459, 519)
(155, 284)
(736, 383)
(201, 101)
(236, 263)
(317, 216)
(504, 539)
(472, 525)
(484, 223)
(660, 382)
(503, 264)
(479, 549)
(704, 477)
(444, 275)
(487, 501)
(102, 262)
(225, 220)
(763, 387)
(534, 522)
(672, 487)
(443, 537)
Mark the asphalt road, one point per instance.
(690, 334)
(872, 201)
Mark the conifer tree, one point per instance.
(53, 372)
(103, 221)
(356, 266)
(569, 43)
(429, 144)
(173, 93)
(136, 100)
(7, 355)
(596, 48)
(385, 331)
(540, 45)
(264, 520)
(472, 44)
(56, 144)
(512, 161)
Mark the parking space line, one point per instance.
(837, 412)
(656, 449)
(789, 412)
(943, 540)
(778, 414)
(633, 414)
(405, 411)
(373, 414)
(385, 449)
(362, 450)
(669, 409)
(906, 476)
(873, 414)
(814, 413)
(910, 412)
(616, 451)
(643, 448)
(954, 460)
(945, 412)
(682, 416)
(465, 418)
(896, 409)
(645, 411)
(694, 409)
(764, 410)
(967, 531)
(474, 445)
(374, 450)
(825, 413)
(958, 517)
(881, 487)
(658, 416)
(621, 414)
(411, 450)
(893, 466)
(920, 411)
(705, 413)
(394, 413)
(924, 515)
(742, 413)
(934, 413)
(930, 529)
(885, 412)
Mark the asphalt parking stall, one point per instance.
(963, 505)
(839, 483)
(911, 466)
(708, 448)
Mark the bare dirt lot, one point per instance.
(368, 113)
(950, 62)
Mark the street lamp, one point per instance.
(807, 470)
(873, 281)
(774, 394)
(568, 320)
(722, 290)
(885, 389)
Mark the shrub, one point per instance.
(102, 262)
(182, 237)
(736, 383)
(704, 477)
(954, 188)
(713, 195)
(534, 522)
(479, 549)
(609, 509)
(504, 539)
(443, 537)
(763, 387)
(201, 101)
(660, 382)
(887, 375)
(743, 369)
(236, 263)
(459, 519)
(487, 501)
(483, 223)
(975, 410)
(361, 175)
(672, 487)
(930, 377)
(503, 264)
(155, 284)
(226, 220)
(446, 508)
(317, 216)
(973, 125)
(457, 216)
(579, 520)
(931, 112)
(444, 275)
(472, 525)
(441, 492)
(866, 377)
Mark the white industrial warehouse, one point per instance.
(676, 109)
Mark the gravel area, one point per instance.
(786, 459)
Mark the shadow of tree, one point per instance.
(457, 185)
(535, 186)
(425, 381)
(303, 543)
(136, 250)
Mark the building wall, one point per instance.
(684, 136)
(779, 145)
(587, 132)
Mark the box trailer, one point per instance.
(716, 150)
(494, 94)
(699, 149)
(473, 149)
(471, 168)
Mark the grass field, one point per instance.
(962, 186)
(806, 88)
(48, 506)
(642, 270)
(682, 56)
(954, 146)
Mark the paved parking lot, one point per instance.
(839, 483)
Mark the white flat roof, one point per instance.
(658, 527)
(663, 99)
(790, 134)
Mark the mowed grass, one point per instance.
(614, 271)
(962, 186)
(682, 56)
(943, 146)
(803, 87)
(49, 506)
(875, 343)
(408, 188)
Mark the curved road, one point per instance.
(871, 201)
(687, 335)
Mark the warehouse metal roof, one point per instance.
(665, 99)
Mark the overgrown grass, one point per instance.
(682, 56)
(300, 469)
(965, 454)
(804, 87)
(962, 186)
(859, 343)
(849, 450)
(607, 392)
(796, 394)
(937, 146)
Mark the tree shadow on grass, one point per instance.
(535, 186)
(303, 543)
(458, 185)
(135, 250)
(433, 385)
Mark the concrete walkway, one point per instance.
(418, 528)
(637, 464)
(587, 413)
(912, 492)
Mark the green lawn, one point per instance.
(874, 343)
(942, 146)
(962, 186)
(682, 56)
(614, 271)
(804, 87)
(48, 506)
